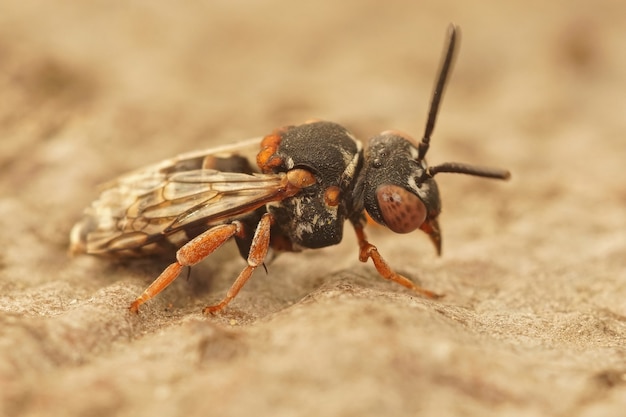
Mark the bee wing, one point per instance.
(230, 158)
(145, 209)
(174, 196)
(212, 197)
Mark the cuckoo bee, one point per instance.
(291, 190)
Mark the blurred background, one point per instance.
(89, 90)
(115, 85)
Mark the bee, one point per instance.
(291, 190)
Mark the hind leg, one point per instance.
(189, 254)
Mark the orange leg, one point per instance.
(367, 250)
(190, 254)
(258, 251)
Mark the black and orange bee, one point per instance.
(291, 190)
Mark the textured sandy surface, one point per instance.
(534, 318)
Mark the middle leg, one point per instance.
(258, 252)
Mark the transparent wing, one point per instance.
(171, 198)
(238, 157)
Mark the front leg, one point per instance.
(367, 250)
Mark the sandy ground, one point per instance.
(534, 318)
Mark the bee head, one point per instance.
(396, 186)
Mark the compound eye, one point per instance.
(401, 210)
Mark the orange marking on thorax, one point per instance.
(332, 196)
(267, 159)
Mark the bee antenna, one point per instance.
(460, 168)
(438, 92)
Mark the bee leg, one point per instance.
(189, 254)
(367, 250)
(258, 251)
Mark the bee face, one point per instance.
(393, 187)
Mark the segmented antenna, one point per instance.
(460, 168)
(450, 167)
(438, 92)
